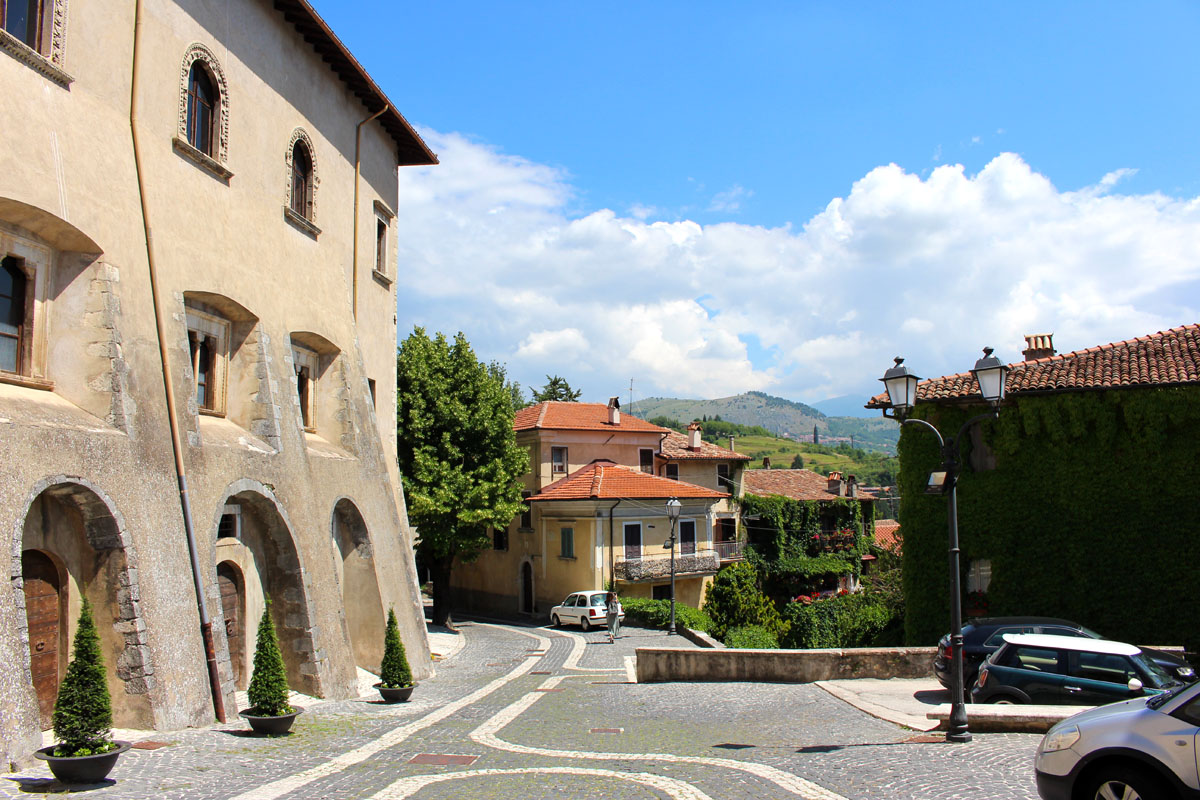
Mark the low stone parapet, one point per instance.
(657, 665)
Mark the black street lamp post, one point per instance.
(901, 387)
(673, 507)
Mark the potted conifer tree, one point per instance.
(269, 710)
(85, 752)
(395, 676)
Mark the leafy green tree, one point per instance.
(556, 388)
(83, 710)
(394, 672)
(457, 451)
(734, 600)
(268, 693)
(798, 462)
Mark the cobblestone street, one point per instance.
(532, 713)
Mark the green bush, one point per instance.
(852, 620)
(268, 693)
(394, 673)
(657, 614)
(752, 636)
(83, 710)
(734, 600)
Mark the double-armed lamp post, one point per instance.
(901, 387)
(673, 507)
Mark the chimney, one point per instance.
(766, 462)
(835, 484)
(851, 486)
(694, 436)
(614, 411)
(731, 447)
(1038, 345)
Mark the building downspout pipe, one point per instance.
(612, 574)
(172, 421)
(357, 171)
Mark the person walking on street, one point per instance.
(612, 608)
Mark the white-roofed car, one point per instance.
(585, 609)
(1068, 670)
(1141, 749)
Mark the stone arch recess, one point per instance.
(113, 589)
(198, 52)
(362, 602)
(275, 559)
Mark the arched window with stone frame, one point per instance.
(300, 206)
(34, 32)
(203, 132)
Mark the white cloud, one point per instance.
(730, 200)
(932, 268)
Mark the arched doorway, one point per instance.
(527, 605)
(45, 612)
(74, 546)
(361, 600)
(233, 608)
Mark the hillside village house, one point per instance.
(263, 159)
(596, 495)
(1073, 502)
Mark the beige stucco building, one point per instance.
(597, 493)
(236, 152)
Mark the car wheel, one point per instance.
(1123, 783)
(555, 621)
(1004, 700)
(584, 624)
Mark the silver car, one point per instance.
(585, 609)
(1140, 749)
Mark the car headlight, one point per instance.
(1059, 739)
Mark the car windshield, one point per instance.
(1160, 677)
(1158, 699)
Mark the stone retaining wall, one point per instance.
(656, 665)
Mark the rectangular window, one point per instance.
(499, 538)
(23, 19)
(371, 389)
(661, 592)
(306, 363)
(527, 514)
(673, 471)
(646, 460)
(208, 336)
(558, 461)
(979, 575)
(381, 248)
(687, 537)
(633, 541)
(567, 536)
(723, 484)
(230, 526)
(13, 325)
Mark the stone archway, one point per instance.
(265, 553)
(362, 603)
(74, 545)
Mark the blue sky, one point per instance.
(709, 197)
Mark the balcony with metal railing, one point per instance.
(729, 551)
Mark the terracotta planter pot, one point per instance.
(271, 726)
(400, 695)
(81, 769)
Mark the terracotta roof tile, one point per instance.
(559, 415)
(887, 535)
(798, 484)
(675, 447)
(1166, 358)
(606, 480)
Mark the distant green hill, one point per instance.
(780, 416)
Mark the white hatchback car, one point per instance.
(585, 609)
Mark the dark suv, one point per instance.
(983, 636)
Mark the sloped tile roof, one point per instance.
(607, 480)
(559, 415)
(887, 535)
(1166, 358)
(798, 484)
(675, 447)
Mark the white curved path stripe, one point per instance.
(291, 783)
(578, 648)
(407, 787)
(485, 734)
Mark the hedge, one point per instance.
(851, 620)
(657, 614)
(752, 637)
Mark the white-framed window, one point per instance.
(230, 526)
(383, 241)
(208, 346)
(979, 575)
(24, 274)
(567, 542)
(307, 364)
(558, 461)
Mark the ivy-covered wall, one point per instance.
(1089, 513)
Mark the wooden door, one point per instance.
(43, 611)
(230, 585)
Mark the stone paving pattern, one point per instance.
(797, 728)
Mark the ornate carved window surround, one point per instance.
(220, 155)
(50, 61)
(305, 223)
